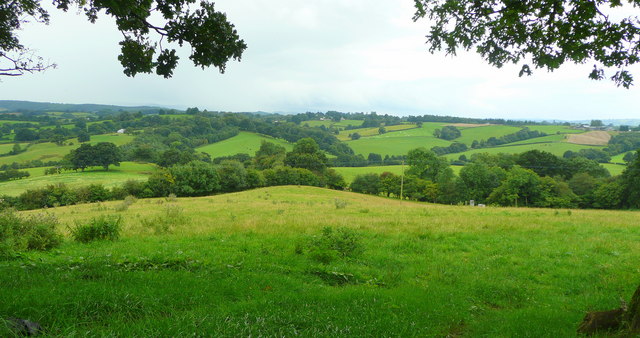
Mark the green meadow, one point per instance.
(285, 261)
(555, 129)
(329, 123)
(94, 175)
(614, 169)
(244, 142)
(365, 132)
(52, 152)
(469, 134)
(349, 173)
(556, 148)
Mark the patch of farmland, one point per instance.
(555, 129)
(545, 139)
(330, 123)
(596, 138)
(556, 148)
(367, 132)
(244, 142)
(484, 132)
(614, 169)
(95, 175)
(349, 173)
(52, 152)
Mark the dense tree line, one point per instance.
(306, 164)
(520, 135)
(534, 178)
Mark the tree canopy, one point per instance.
(538, 34)
(212, 38)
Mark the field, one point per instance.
(115, 176)
(51, 152)
(349, 173)
(556, 148)
(596, 138)
(252, 264)
(328, 123)
(469, 134)
(555, 129)
(244, 142)
(365, 132)
(614, 169)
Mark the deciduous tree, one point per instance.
(212, 38)
(538, 34)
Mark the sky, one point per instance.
(349, 56)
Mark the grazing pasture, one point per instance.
(48, 151)
(556, 148)
(244, 142)
(286, 261)
(366, 132)
(95, 175)
(349, 173)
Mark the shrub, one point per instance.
(37, 232)
(128, 201)
(172, 216)
(99, 228)
(342, 242)
(340, 204)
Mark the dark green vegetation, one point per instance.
(490, 173)
(211, 38)
(293, 261)
(548, 33)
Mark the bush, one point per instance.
(172, 216)
(100, 228)
(37, 232)
(342, 242)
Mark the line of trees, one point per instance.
(534, 178)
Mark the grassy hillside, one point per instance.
(329, 123)
(399, 142)
(115, 176)
(469, 134)
(244, 142)
(366, 132)
(253, 264)
(51, 152)
(555, 129)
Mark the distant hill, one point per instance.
(28, 106)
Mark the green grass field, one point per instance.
(556, 148)
(399, 142)
(247, 264)
(329, 123)
(115, 176)
(555, 129)
(5, 148)
(349, 173)
(51, 152)
(367, 132)
(14, 122)
(244, 142)
(469, 134)
(614, 169)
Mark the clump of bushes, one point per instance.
(128, 201)
(333, 244)
(172, 216)
(35, 232)
(99, 228)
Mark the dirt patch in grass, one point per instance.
(593, 138)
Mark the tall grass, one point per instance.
(243, 264)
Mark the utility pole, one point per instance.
(402, 181)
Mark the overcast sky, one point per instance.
(350, 56)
